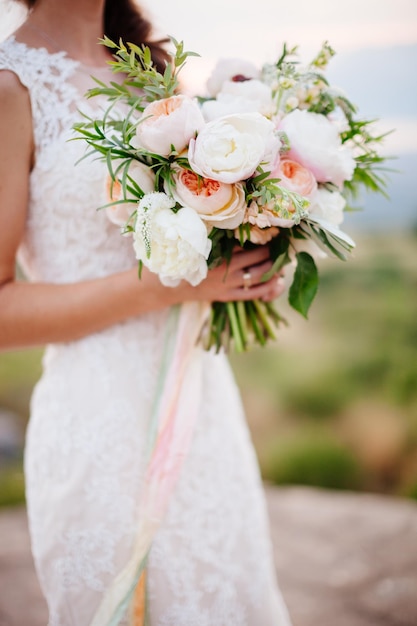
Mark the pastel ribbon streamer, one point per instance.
(170, 430)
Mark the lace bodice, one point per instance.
(66, 238)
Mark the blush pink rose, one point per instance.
(258, 236)
(315, 143)
(168, 122)
(295, 177)
(120, 214)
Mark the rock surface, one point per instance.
(343, 559)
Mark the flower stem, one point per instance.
(234, 326)
(243, 322)
(254, 322)
(265, 319)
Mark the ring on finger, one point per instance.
(247, 279)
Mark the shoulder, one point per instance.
(15, 111)
(14, 71)
(10, 83)
(14, 97)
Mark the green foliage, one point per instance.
(411, 491)
(330, 239)
(320, 398)
(281, 201)
(18, 373)
(315, 461)
(305, 284)
(142, 76)
(12, 486)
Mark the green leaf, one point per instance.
(305, 284)
(276, 266)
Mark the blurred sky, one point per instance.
(258, 27)
(256, 30)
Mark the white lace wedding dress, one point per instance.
(211, 562)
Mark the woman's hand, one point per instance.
(240, 280)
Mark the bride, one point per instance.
(211, 561)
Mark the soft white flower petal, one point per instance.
(239, 97)
(328, 205)
(316, 144)
(179, 245)
(226, 69)
(231, 148)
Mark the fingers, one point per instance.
(265, 291)
(257, 272)
(248, 277)
(276, 290)
(247, 258)
(268, 291)
(242, 279)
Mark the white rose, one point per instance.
(168, 122)
(174, 245)
(143, 176)
(218, 204)
(231, 148)
(227, 69)
(328, 205)
(315, 143)
(239, 97)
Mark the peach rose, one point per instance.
(295, 177)
(218, 204)
(168, 122)
(262, 218)
(269, 215)
(259, 236)
(143, 176)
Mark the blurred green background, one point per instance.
(333, 403)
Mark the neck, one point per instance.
(73, 25)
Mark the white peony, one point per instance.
(240, 97)
(227, 69)
(231, 148)
(174, 245)
(168, 122)
(315, 143)
(328, 205)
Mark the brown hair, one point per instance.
(123, 19)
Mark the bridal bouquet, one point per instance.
(269, 157)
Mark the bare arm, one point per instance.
(34, 314)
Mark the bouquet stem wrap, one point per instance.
(176, 404)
